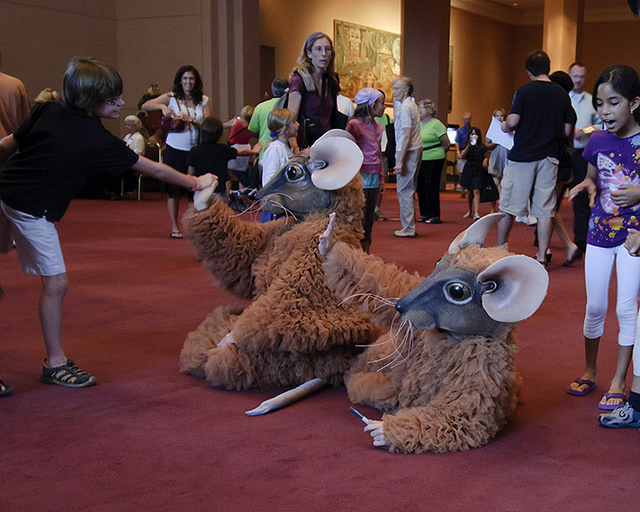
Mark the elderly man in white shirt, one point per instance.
(406, 123)
(587, 122)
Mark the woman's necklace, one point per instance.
(192, 112)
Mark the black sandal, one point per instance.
(5, 390)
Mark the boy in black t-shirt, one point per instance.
(210, 156)
(60, 146)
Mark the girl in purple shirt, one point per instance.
(612, 175)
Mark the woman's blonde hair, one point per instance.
(278, 119)
(429, 106)
(304, 62)
(246, 112)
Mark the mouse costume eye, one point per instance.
(294, 172)
(457, 292)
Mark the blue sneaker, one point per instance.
(623, 416)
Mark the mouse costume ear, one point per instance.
(335, 159)
(515, 287)
(336, 132)
(476, 233)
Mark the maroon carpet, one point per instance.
(149, 438)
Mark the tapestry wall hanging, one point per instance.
(366, 57)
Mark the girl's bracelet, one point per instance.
(195, 183)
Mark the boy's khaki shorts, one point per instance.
(529, 180)
(36, 240)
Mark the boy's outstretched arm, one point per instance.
(163, 172)
(8, 146)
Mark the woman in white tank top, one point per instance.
(185, 102)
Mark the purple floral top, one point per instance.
(617, 160)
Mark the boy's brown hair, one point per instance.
(88, 83)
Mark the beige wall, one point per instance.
(145, 56)
(38, 37)
(484, 70)
(608, 43)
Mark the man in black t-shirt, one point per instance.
(541, 114)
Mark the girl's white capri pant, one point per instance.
(597, 270)
(636, 359)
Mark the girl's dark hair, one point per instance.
(196, 94)
(88, 83)
(563, 79)
(475, 129)
(210, 129)
(624, 81)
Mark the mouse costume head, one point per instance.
(306, 185)
(474, 289)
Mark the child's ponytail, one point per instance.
(277, 120)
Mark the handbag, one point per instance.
(172, 124)
(565, 163)
(338, 119)
(311, 131)
(489, 191)
(390, 152)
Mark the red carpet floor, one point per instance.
(148, 438)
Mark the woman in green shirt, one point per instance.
(434, 147)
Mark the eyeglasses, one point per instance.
(115, 101)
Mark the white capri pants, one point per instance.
(636, 357)
(598, 265)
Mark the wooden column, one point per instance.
(562, 32)
(425, 50)
(232, 54)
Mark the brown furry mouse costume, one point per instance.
(445, 377)
(295, 329)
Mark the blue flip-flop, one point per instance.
(611, 407)
(581, 382)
